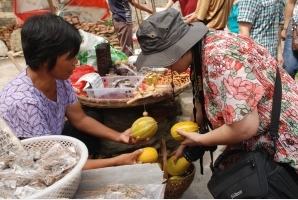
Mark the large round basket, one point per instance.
(68, 185)
(175, 187)
(122, 103)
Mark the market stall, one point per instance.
(107, 81)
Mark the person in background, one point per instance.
(237, 78)
(232, 24)
(213, 13)
(122, 21)
(187, 6)
(260, 20)
(36, 102)
(290, 57)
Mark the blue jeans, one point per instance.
(290, 58)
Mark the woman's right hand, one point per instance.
(178, 153)
(128, 158)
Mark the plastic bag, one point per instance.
(117, 55)
(78, 72)
(87, 54)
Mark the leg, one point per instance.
(124, 33)
(290, 58)
(92, 143)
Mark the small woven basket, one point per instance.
(175, 187)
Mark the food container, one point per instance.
(113, 89)
(68, 185)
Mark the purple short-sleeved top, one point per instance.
(29, 113)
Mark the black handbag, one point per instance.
(254, 174)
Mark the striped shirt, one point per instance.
(206, 10)
(265, 17)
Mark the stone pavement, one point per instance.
(198, 188)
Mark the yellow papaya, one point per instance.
(179, 168)
(187, 126)
(144, 127)
(149, 155)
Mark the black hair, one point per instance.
(46, 37)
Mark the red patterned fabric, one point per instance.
(239, 76)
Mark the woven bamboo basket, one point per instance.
(122, 103)
(175, 187)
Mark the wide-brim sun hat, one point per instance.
(164, 38)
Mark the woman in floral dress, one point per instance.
(238, 78)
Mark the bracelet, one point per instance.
(285, 28)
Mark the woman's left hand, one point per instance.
(126, 138)
(191, 138)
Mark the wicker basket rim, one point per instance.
(121, 103)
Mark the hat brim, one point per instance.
(172, 54)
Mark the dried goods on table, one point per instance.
(21, 176)
(123, 191)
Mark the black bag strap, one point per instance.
(274, 126)
(198, 93)
(206, 21)
(276, 106)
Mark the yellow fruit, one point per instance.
(176, 177)
(144, 127)
(179, 168)
(149, 155)
(187, 126)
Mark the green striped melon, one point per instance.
(187, 126)
(144, 127)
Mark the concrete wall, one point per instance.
(6, 14)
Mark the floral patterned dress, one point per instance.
(239, 76)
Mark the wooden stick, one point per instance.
(18, 66)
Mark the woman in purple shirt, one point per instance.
(36, 102)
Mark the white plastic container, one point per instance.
(111, 92)
(68, 185)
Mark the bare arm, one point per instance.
(189, 15)
(288, 15)
(81, 121)
(244, 28)
(169, 4)
(191, 19)
(141, 6)
(280, 58)
(200, 12)
(124, 159)
(226, 134)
